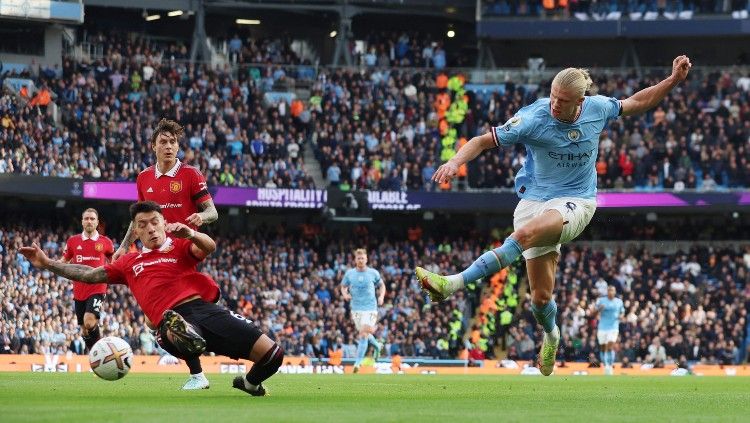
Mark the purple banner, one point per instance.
(120, 191)
(420, 200)
(634, 199)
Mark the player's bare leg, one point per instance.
(90, 330)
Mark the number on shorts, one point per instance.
(97, 304)
(241, 317)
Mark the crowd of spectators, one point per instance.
(680, 308)
(107, 109)
(692, 303)
(370, 128)
(389, 49)
(616, 9)
(378, 130)
(284, 280)
(243, 49)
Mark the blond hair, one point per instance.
(359, 251)
(576, 80)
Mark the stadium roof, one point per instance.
(460, 9)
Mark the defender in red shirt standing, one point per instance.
(88, 248)
(161, 278)
(180, 190)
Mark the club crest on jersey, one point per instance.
(574, 135)
(99, 247)
(360, 279)
(175, 186)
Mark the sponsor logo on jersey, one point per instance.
(81, 259)
(138, 268)
(571, 159)
(170, 205)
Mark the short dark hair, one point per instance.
(144, 207)
(167, 126)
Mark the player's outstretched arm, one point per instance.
(77, 272)
(125, 244)
(647, 98)
(203, 245)
(467, 153)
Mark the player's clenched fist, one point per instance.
(179, 230)
(680, 67)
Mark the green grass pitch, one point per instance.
(82, 398)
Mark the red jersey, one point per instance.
(92, 252)
(159, 279)
(178, 192)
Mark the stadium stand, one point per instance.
(379, 127)
(696, 139)
(692, 302)
(613, 10)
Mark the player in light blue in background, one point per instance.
(557, 185)
(611, 310)
(359, 286)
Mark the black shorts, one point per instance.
(226, 332)
(92, 304)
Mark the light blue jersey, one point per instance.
(362, 288)
(609, 312)
(560, 157)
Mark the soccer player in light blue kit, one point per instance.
(359, 286)
(611, 310)
(557, 185)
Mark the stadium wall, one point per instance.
(303, 365)
(53, 52)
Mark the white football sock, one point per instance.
(455, 282)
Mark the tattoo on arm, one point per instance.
(209, 213)
(128, 238)
(78, 272)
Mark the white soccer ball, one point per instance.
(111, 358)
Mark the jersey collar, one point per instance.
(94, 237)
(171, 172)
(163, 247)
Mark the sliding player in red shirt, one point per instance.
(161, 278)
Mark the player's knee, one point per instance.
(523, 236)
(541, 297)
(89, 322)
